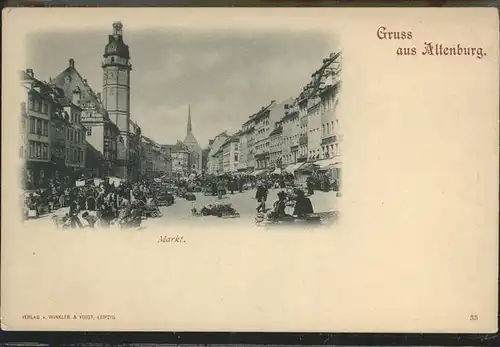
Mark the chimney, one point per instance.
(71, 62)
(99, 96)
(30, 73)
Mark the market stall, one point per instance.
(304, 171)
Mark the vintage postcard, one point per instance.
(291, 170)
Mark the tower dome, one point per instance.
(115, 45)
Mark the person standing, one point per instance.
(310, 185)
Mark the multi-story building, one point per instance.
(102, 134)
(291, 133)
(313, 129)
(178, 155)
(134, 150)
(247, 158)
(146, 168)
(154, 159)
(75, 138)
(213, 162)
(230, 154)
(55, 138)
(276, 147)
(37, 111)
(264, 122)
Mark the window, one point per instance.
(45, 151)
(45, 128)
(38, 148)
(32, 125)
(31, 103)
(39, 126)
(32, 149)
(37, 106)
(89, 131)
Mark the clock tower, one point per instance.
(116, 92)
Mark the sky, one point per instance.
(225, 77)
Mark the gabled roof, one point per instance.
(233, 138)
(190, 140)
(88, 92)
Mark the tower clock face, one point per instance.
(111, 74)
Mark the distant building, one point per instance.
(291, 128)
(246, 135)
(214, 163)
(265, 121)
(154, 159)
(179, 158)
(204, 157)
(230, 155)
(276, 147)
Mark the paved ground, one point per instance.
(244, 203)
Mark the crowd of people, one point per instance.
(102, 202)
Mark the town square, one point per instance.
(92, 161)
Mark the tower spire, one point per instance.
(189, 127)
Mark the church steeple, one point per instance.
(189, 127)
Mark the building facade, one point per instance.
(276, 146)
(75, 147)
(154, 159)
(102, 135)
(53, 136)
(314, 129)
(265, 122)
(291, 133)
(230, 155)
(37, 109)
(213, 162)
(178, 157)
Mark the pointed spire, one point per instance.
(189, 127)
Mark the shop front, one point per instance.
(36, 174)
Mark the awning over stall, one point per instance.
(326, 163)
(259, 172)
(307, 167)
(292, 167)
(276, 171)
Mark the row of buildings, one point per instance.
(69, 130)
(287, 135)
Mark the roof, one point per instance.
(190, 140)
(88, 93)
(222, 134)
(263, 110)
(233, 138)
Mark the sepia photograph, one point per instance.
(250, 170)
(138, 128)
